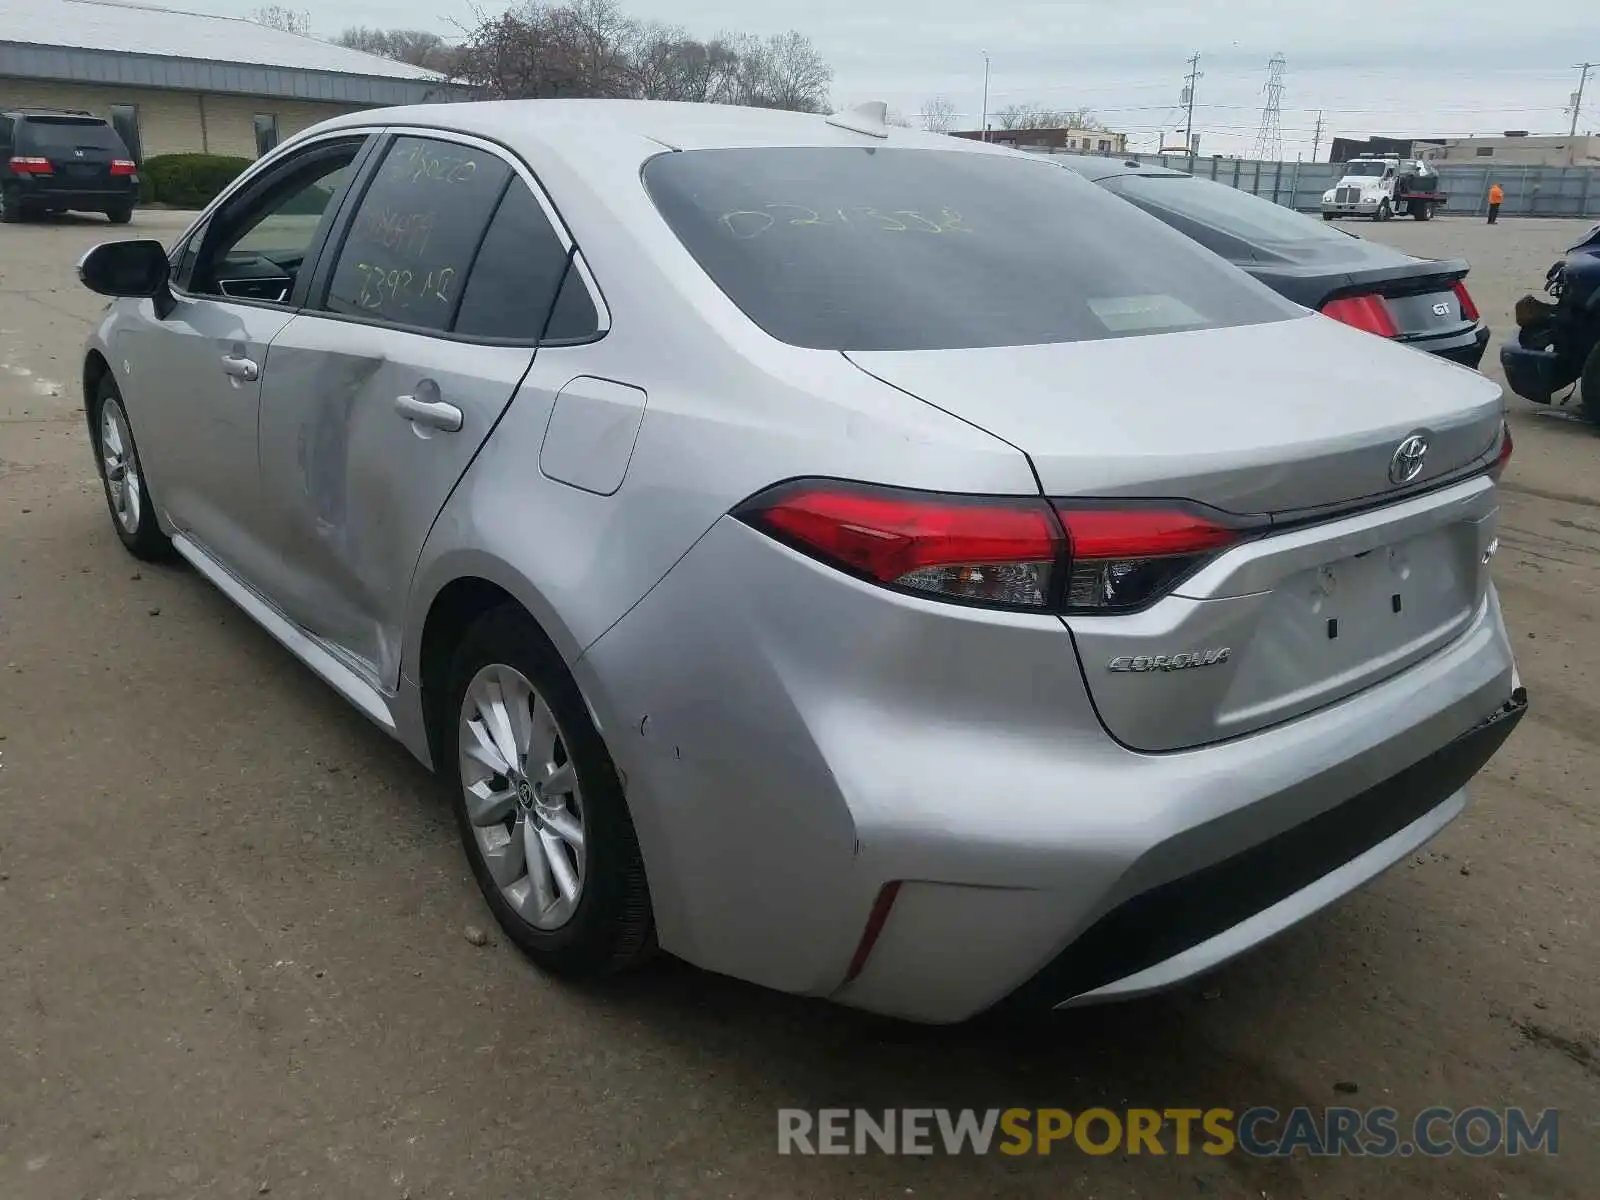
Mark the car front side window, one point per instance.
(257, 243)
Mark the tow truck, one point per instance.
(1381, 186)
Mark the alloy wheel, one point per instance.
(121, 466)
(523, 797)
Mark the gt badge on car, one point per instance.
(1170, 662)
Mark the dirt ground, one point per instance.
(233, 958)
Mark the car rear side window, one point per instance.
(910, 249)
(416, 232)
(521, 269)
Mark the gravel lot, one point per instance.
(233, 951)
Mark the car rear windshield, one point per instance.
(1237, 213)
(67, 133)
(905, 249)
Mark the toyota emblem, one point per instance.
(1406, 464)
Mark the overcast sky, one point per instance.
(1372, 66)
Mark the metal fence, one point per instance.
(1529, 191)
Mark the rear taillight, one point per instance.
(1124, 557)
(1469, 310)
(32, 166)
(1369, 313)
(1504, 457)
(123, 166)
(980, 550)
(994, 551)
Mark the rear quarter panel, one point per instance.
(728, 412)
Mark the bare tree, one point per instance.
(1036, 116)
(526, 53)
(419, 47)
(938, 114)
(893, 116)
(665, 63)
(278, 16)
(602, 34)
(590, 48)
(796, 77)
(1081, 118)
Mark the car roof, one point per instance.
(573, 126)
(22, 114)
(1095, 167)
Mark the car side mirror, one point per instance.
(133, 268)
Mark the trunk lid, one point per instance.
(1419, 294)
(1355, 578)
(1283, 419)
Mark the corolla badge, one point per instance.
(1406, 464)
(1170, 662)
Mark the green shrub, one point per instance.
(188, 180)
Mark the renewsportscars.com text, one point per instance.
(1260, 1131)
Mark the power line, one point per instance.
(1544, 75)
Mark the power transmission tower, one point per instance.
(1269, 138)
(1577, 96)
(1186, 98)
(1316, 138)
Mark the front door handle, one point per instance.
(435, 414)
(240, 368)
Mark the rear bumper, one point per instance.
(793, 740)
(94, 196)
(1190, 925)
(1466, 348)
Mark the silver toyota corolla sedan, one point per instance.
(874, 565)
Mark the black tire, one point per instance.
(1385, 211)
(1422, 210)
(1589, 386)
(611, 926)
(1327, 216)
(11, 209)
(141, 537)
(120, 215)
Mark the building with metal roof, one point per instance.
(174, 81)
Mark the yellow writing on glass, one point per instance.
(748, 223)
(405, 233)
(420, 163)
(396, 287)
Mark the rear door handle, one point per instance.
(435, 414)
(240, 368)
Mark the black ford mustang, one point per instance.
(1421, 302)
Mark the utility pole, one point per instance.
(1316, 138)
(983, 129)
(1583, 70)
(1188, 101)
